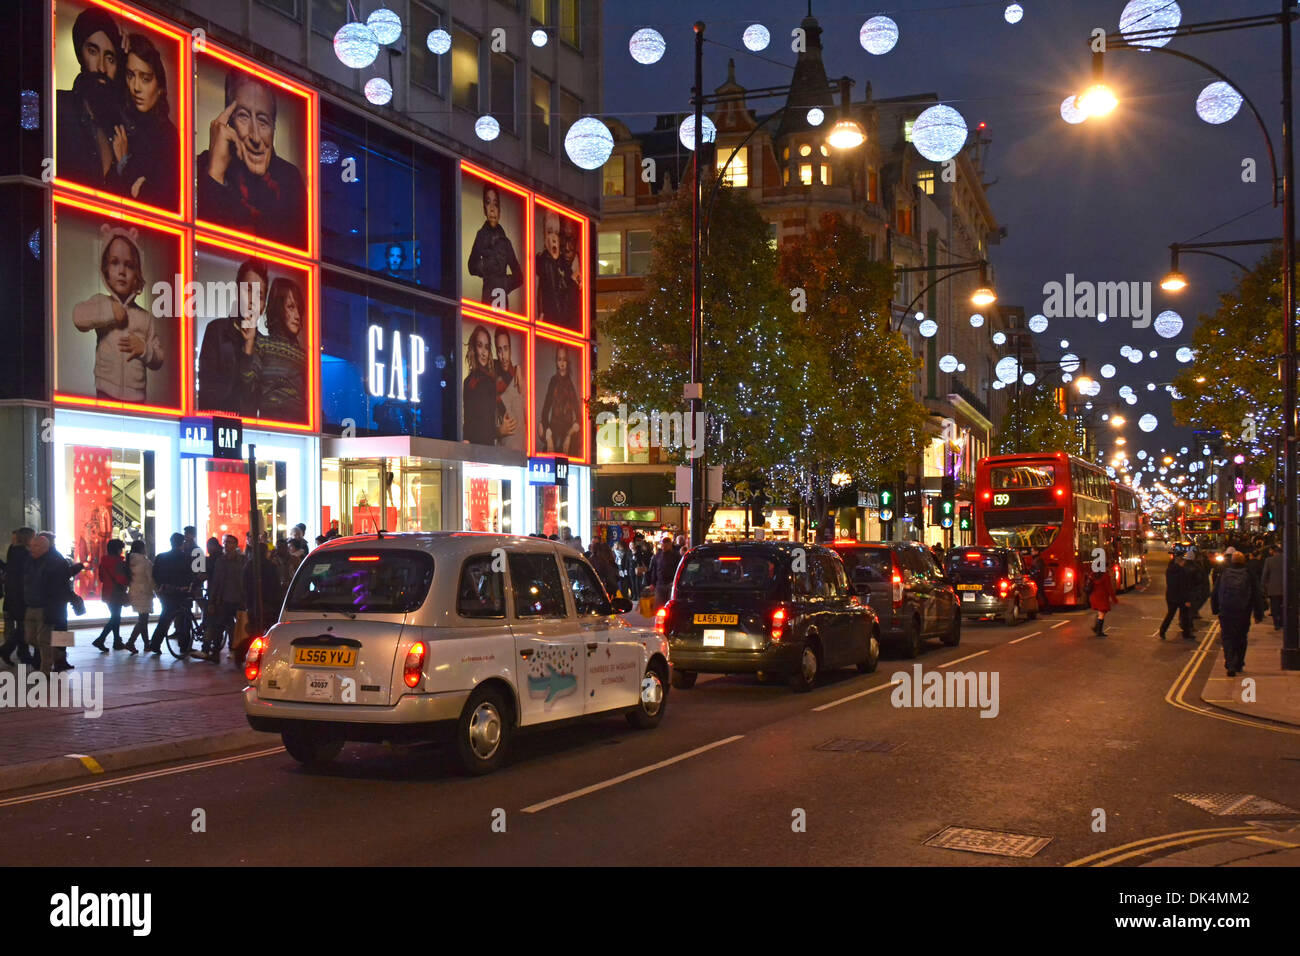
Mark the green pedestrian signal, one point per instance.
(963, 518)
(886, 495)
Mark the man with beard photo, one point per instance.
(242, 183)
(559, 426)
(90, 114)
(144, 152)
(492, 256)
(510, 394)
(479, 392)
(556, 291)
(226, 355)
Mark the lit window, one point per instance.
(805, 150)
(570, 23)
(613, 176)
(805, 173)
(907, 129)
(925, 181)
(609, 253)
(825, 174)
(464, 70)
(785, 153)
(541, 11)
(737, 173)
(638, 252)
(824, 150)
(873, 185)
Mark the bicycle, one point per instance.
(187, 629)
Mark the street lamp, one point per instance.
(982, 296)
(1283, 194)
(1176, 281)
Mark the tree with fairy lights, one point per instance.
(1033, 422)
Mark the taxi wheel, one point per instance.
(1033, 615)
(873, 658)
(803, 679)
(684, 680)
(650, 704)
(953, 637)
(912, 640)
(1012, 617)
(311, 748)
(483, 732)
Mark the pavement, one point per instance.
(1262, 689)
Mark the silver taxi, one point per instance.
(400, 637)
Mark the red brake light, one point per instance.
(414, 664)
(1069, 573)
(253, 660)
(364, 557)
(1003, 587)
(778, 623)
(661, 620)
(897, 581)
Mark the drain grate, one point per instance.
(848, 745)
(1234, 804)
(995, 842)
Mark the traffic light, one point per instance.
(1267, 513)
(947, 503)
(964, 518)
(887, 502)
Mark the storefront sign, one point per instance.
(212, 438)
(548, 471)
(402, 377)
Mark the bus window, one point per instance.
(1022, 476)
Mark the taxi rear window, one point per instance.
(961, 560)
(384, 581)
(708, 572)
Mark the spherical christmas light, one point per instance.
(1013, 13)
(1071, 112)
(589, 143)
(999, 338)
(540, 38)
(1125, 349)
(1101, 316)
(1183, 450)
(1066, 377)
(815, 116)
(1131, 399)
(1091, 388)
(1029, 378)
(1142, 455)
(878, 35)
(948, 364)
(1218, 103)
(1069, 362)
(976, 320)
(939, 133)
(1134, 356)
(1153, 354)
(927, 328)
(1108, 371)
(1065, 343)
(1038, 324)
(1151, 386)
(1007, 370)
(438, 41)
(647, 46)
(487, 128)
(1148, 422)
(998, 385)
(961, 366)
(1140, 16)
(378, 90)
(756, 37)
(355, 45)
(1168, 324)
(1184, 355)
(686, 132)
(385, 25)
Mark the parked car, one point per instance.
(769, 608)
(993, 582)
(909, 592)
(417, 636)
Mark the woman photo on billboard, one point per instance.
(145, 146)
(127, 345)
(277, 373)
(559, 425)
(480, 390)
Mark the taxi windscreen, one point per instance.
(384, 581)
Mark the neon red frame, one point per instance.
(526, 261)
(584, 253)
(311, 172)
(182, 92)
(311, 307)
(492, 318)
(584, 394)
(185, 264)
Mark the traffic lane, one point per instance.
(307, 817)
(1083, 726)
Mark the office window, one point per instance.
(873, 185)
(571, 23)
(904, 221)
(609, 253)
(541, 112)
(503, 91)
(925, 181)
(638, 252)
(464, 70)
(288, 7)
(327, 16)
(424, 62)
(737, 173)
(541, 11)
(570, 111)
(614, 174)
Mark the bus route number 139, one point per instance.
(1001, 499)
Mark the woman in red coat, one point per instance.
(1101, 596)
(113, 582)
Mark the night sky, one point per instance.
(1102, 200)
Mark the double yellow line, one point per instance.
(1166, 841)
(1183, 682)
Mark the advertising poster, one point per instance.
(119, 104)
(116, 336)
(253, 139)
(559, 266)
(388, 362)
(561, 383)
(253, 334)
(493, 232)
(227, 498)
(494, 393)
(91, 474)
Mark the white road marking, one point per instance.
(960, 659)
(118, 781)
(1025, 638)
(861, 693)
(575, 794)
(1060, 624)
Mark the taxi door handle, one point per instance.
(526, 653)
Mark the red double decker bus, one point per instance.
(1068, 508)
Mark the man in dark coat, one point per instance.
(1234, 600)
(174, 577)
(16, 562)
(47, 590)
(1178, 596)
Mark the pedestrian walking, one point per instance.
(225, 597)
(663, 568)
(113, 583)
(1235, 600)
(1179, 582)
(1270, 581)
(17, 560)
(140, 592)
(1101, 596)
(176, 582)
(602, 559)
(47, 591)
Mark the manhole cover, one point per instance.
(847, 745)
(1234, 804)
(996, 842)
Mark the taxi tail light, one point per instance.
(896, 580)
(411, 670)
(780, 617)
(253, 660)
(661, 620)
(1003, 587)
